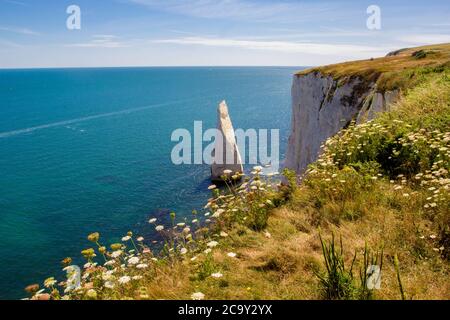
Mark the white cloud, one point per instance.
(238, 9)
(423, 39)
(18, 30)
(101, 41)
(281, 46)
(19, 3)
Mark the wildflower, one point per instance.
(142, 266)
(66, 261)
(108, 275)
(102, 250)
(212, 244)
(195, 221)
(91, 294)
(398, 188)
(186, 230)
(258, 168)
(183, 251)
(223, 234)
(194, 258)
(116, 246)
(267, 235)
(109, 285)
(159, 228)
(218, 213)
(181, 224)
(212, 187)
(140, 239)
(94, 237)
(231, 255)
(50, 282)
(198, 296)
(127, 238)
(88, 253)
(227, 172)
(217, 275)
(133, 261)
(207, 251)
(406, 195)
(116, 254)
(124, 280)
(153, 220)
(432, 236)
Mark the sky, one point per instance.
(113, 33)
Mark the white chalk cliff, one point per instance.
(226, 154)
(322, 106)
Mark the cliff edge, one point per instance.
(326, 100)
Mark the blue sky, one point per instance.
(33, 33)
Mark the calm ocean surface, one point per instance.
(84, 150)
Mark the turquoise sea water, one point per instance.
(84, 150)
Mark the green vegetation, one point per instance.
(382, 187)
(401, 70)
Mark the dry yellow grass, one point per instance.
(391, 72)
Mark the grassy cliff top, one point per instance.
(397, 70)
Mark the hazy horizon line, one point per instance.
(163, 66)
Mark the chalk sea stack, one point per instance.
(226, 155)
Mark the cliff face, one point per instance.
(322, 106)
(327, 99)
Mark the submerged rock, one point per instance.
(226, 155)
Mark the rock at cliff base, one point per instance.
(226, 156)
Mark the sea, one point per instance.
(89, 150)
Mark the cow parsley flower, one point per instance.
(124, 280)
(212, 244)
(217, 275)
(133, 261)
(198, 296)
